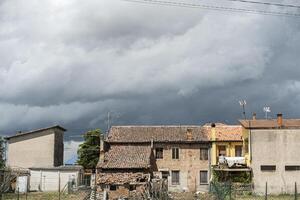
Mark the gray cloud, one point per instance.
(71, 62)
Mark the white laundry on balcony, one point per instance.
(231, 161)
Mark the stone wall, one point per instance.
(188, 164)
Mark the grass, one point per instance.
(270, 197)
(43, 196)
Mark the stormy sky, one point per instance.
(70, 62)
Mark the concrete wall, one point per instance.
(48, 180)
(278, 147)
(189, 165)
(32, 150)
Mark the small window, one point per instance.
(132, 187)
(113, 187)
(238, 151)
(292, 168)
(175, 153)
(268, 167)
(175, 177)
(164, 174)
(203, 177)
(159, 153)
(203, 154)
(222, 150)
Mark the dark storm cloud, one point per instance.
(71, 62)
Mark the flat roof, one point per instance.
(35, 131)
(62, 168)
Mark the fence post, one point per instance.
(58, 185)
(266, 193)
(229, 190)
(95, 185)
(18, 193)
(296, 192)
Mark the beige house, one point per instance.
(274, 146)
(37, 148)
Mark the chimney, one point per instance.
(213, 132)
(189, 134)
(279, 119)
(254, 116)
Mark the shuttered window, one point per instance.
(175, 153)
(203, 154)
(203, 177)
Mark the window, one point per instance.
(132, 187)
(113, 187)
(268, 167)
(164, 174)
(175, 177)
(222, 150)
(292, 168)
(159, 153)
(203, 154)
(238, 151)
(203, 177)
(175, 153)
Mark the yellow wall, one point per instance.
(230, 147)
(246, 146)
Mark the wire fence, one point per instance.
(78, 194)
(230, 191)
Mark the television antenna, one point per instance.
(243, 104)
(267, 110)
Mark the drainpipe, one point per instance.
(250, 142)
(213, 143)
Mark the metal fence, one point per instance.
(232, 191)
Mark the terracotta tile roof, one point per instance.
(136, 134)
(127, 157)
(270, 123)
(122, 178)
(225, 132)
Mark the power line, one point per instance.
(210, 7)
(267, 3)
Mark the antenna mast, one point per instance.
(267, 109)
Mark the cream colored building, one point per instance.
(37, 148)
(274, 147)
(50, 179)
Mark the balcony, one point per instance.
(232, 161)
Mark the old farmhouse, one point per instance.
(134, 154)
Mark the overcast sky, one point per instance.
(69, 62)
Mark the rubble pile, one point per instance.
(122, 178)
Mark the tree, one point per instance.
(88, 152)
(2, 153)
